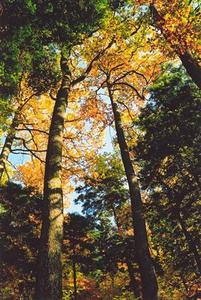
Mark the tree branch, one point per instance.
(132, 87)
(88, 69)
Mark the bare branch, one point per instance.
(136, 30)
(27, 152)
(51, 96)
(130, 73)
(132, 87)
(116, 67)
(122, 103)
(26, 147)
(26, 100)
(32, 129)
(88, 69)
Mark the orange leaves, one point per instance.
(178, 22)
(129, 65)
(95, 175)
(83, 135)
(122, 266)
(31, 174)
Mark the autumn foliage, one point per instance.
(100, 138)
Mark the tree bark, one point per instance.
(146, 269)
(49, 277)
(192, 67)
(190, 64)
(8, 145)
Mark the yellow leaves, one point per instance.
(179, 24)
(95, 175)
(122, 266)
(7, 174)
(68, 189)
(129, 232)
(127, 116)
(32, 174)
(80, 142)
(167, 16)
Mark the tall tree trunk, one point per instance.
(74, 275)
(8, 145)
(146, 269)
(49, 277)
(190, 64)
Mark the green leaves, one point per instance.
(31, 6)
(31, 27)
(169, 158)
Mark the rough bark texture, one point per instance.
(49, 277)
(190, 64)
(146, 269)
(8, 145)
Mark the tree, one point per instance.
(62, 34)
(116, 74)
(20, 218)
(53, 207)
(168, 154)
(105, 194)
(78, 244)
(16, 108)
(179, 41)
(105, 190)
(149, 283)
(103, 68)
(177, 27)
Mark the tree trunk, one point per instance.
(74, 275)
(189, 63)
(8, 145)
(192, 67)
(146, 269)
(49, 277)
